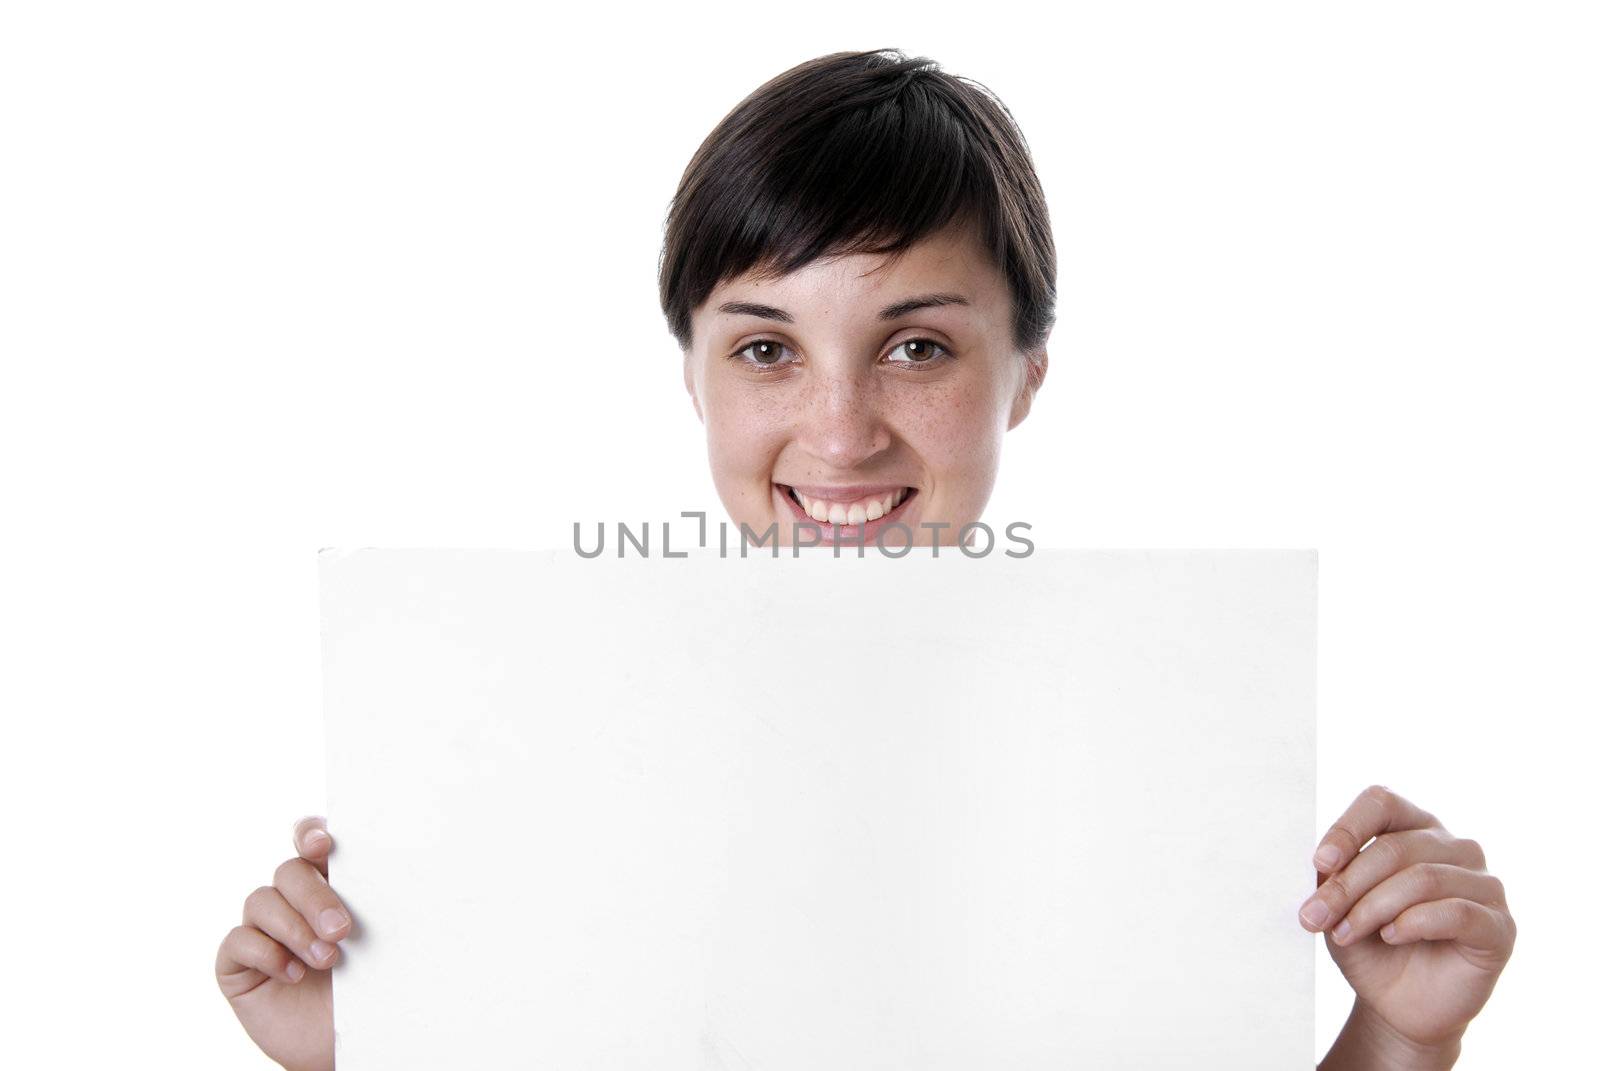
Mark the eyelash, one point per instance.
(738, 354)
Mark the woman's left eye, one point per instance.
(919, 351)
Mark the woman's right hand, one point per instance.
(274, 968)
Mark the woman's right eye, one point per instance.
(762, 354)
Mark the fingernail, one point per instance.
(1388, 932)
(316, 839)
(1341, 931)
(296, 970)
(320, 951)
(332, 920)
(1327, 856)
(1315, 913)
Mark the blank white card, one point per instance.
(916, 814)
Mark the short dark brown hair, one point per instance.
(858, 152)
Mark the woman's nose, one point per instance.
(842, 423)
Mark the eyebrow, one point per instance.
(888, 312)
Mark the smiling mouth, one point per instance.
(859, 511)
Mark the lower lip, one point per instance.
(850, 534)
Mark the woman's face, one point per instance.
(860, 391)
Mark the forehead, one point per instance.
(951, 261)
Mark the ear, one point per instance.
(688, 383)
(1035, 365)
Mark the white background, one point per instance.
(277, 277)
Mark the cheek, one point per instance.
(956, 428)
(744, 435)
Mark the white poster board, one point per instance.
(925, 814)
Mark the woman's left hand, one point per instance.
(1419, 928)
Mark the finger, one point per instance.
(312, 842)
(308, 892)
(1376, 810)
(269, 912)
(248, 957)
(1387, 855)
(1477, 927)
(1417, 884)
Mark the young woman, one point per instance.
(859, 271)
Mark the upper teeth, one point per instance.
(857, 512)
